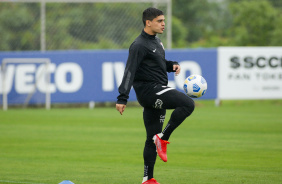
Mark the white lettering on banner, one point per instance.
(171, 83)
(107, 76)
(24, 78)
(9, 76)
(76, 77)
(113, 71)
(250, 72)
(27, 74)
(191, 66)
(119, 66)
(42, 80)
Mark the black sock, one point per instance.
(170, 127)
(148, 171)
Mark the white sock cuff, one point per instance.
(145, 179)
(160, 135)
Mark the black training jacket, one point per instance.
(146, 64)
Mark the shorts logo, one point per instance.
(158, 104)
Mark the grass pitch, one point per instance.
(239, 142)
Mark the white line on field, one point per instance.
(6, 181)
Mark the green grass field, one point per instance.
(239, 142)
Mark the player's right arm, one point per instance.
(120, 108)
(137, 53)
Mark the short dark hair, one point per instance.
(150, 14)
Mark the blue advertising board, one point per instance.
(83, 76)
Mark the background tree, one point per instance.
(254, 23)
(19, 27)
(195, 23)
(230, 22)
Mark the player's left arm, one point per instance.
(177, 69)
(173, 66)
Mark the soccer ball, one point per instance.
(195, 86)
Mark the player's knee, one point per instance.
(189, 108)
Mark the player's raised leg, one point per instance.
(183, 105)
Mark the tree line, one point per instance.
(207, 23)
(195, 23)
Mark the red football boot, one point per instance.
(151, 181)
(161, 147)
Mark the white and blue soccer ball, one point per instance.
(195, 86)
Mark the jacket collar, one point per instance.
(147, 35)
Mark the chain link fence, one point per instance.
(69, 25)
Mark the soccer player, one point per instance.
(146, 70)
